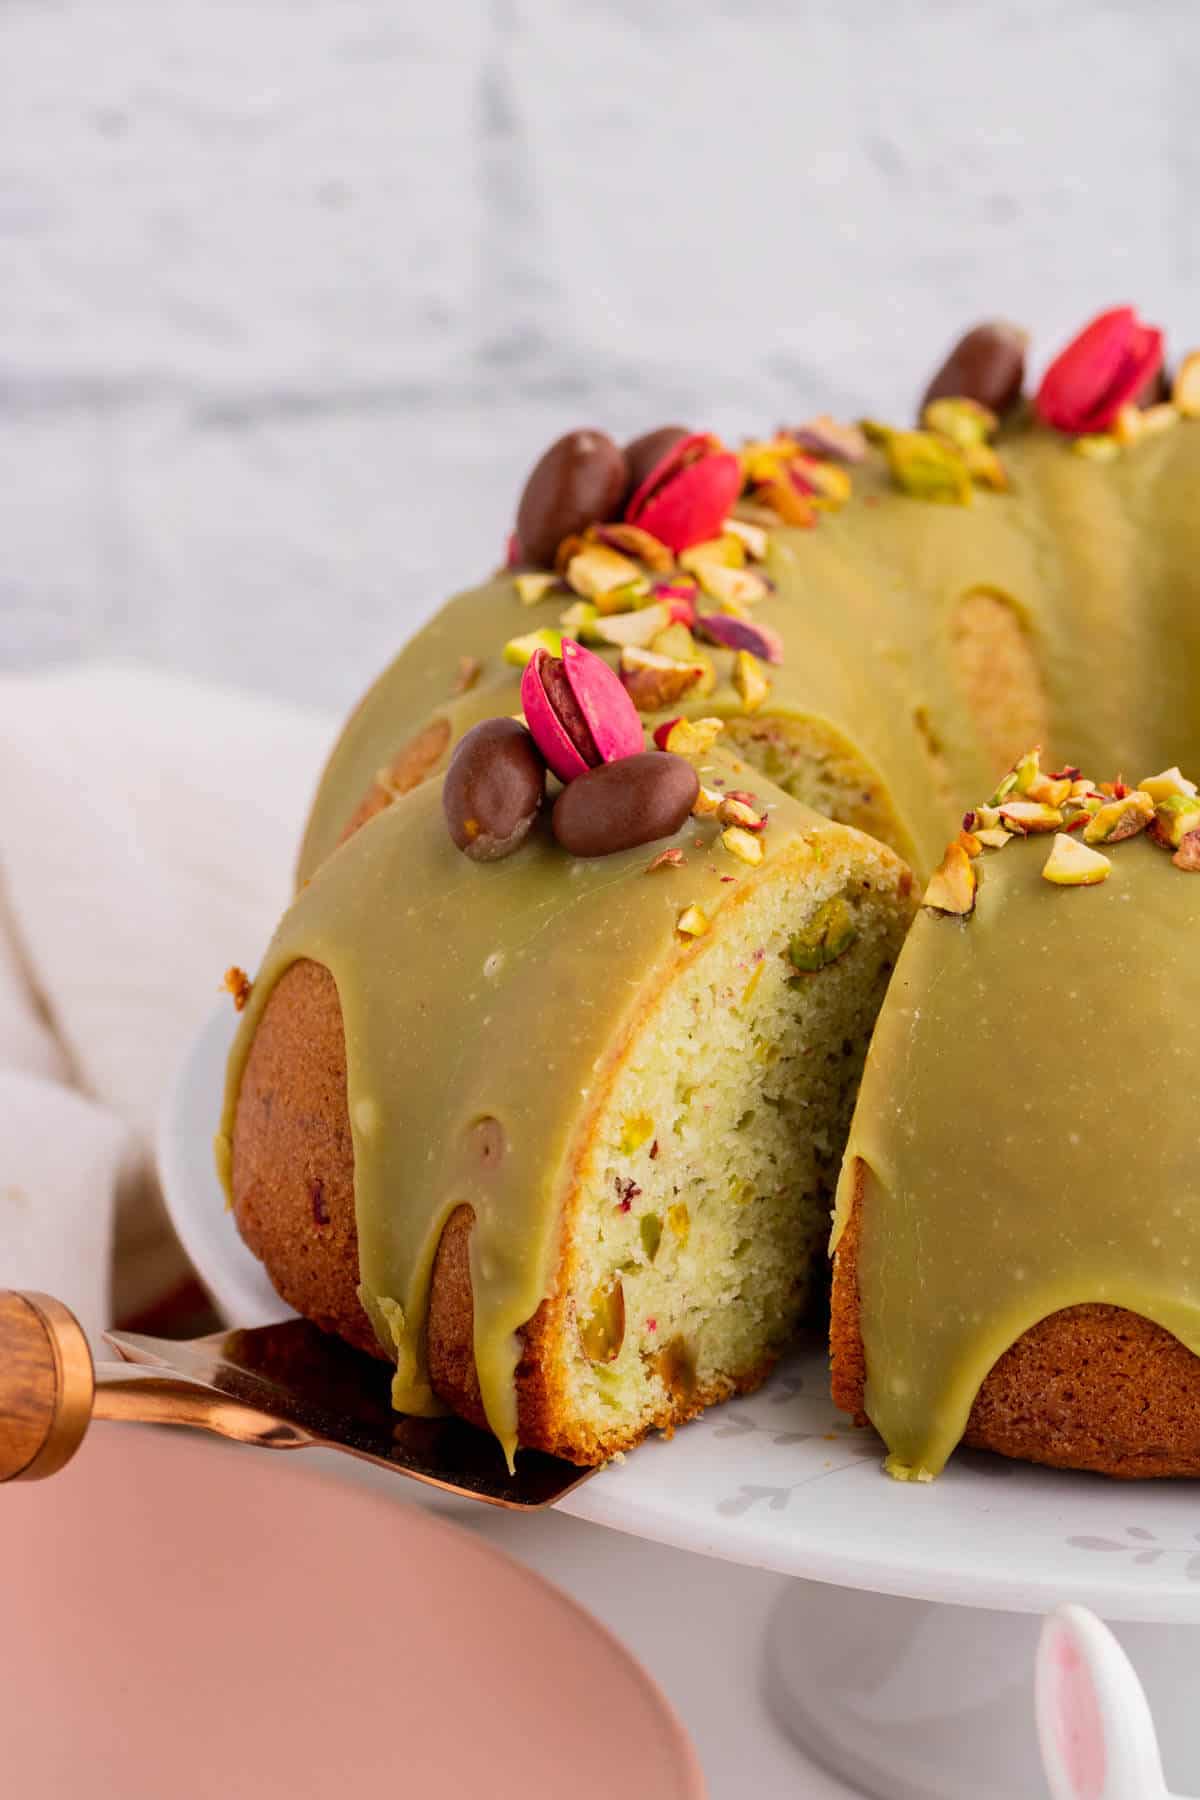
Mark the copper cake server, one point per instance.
(283, 1387)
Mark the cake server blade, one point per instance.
(285, 1386)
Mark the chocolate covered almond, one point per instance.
(625, 803)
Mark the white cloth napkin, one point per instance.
(148, 827)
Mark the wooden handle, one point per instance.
(46, 1386)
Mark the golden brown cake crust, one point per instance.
(410, 766)
(293, 1200)
(1091, 1387)
(293, 1157)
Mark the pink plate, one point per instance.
(188, 1620)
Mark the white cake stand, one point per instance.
(902, 1655)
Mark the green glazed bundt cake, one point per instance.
(543, 1087)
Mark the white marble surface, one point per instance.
(291, 294)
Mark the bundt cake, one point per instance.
(1017, 1241)
(543, 1094)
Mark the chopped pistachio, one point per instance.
(828, 935)
(1127, 426)
(1028, 770)
(1119, 819)
(749, 680)
(1072, 864)
(680, 1221)
(1049, 791)
(753, 538)
(579, 621)
(730, 585)
(636, 1130)
(963, 421)
(1175, 817)
(1171, 781)
(750, 512)
(597, 570)
(689, 737)
(1097, 447)
(654, 682)
(602, 1329)
(828, 437)
(834, 486)
(692, 922)
(786, 500)
(727, 551)
(534, 587)
(1188, 854)
(952, 885)
(1030, 816)
(634, 542)
(927, 467)
(636, 629)
(745, 845)
(650, 1232)
(708, 803)
(520, 650)
(994, 837)
(677, 641)
(733, 811)
(622, 599)
(985, 466)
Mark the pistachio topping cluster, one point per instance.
(670, 569)
(580, 726)
(657, 551)
(1086, 819)
(1106, 392)
(948, 456)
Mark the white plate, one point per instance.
(781, 1480)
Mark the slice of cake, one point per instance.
(559, 1133)
(1018, 1233)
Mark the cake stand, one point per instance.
(901, 1655)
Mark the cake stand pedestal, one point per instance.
(913, 1700)
(901, 1654)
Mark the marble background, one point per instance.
(291, 294)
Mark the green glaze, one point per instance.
(1025, 1121)
(504, 991)
(1101, 561)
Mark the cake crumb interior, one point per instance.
(705, 1202)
